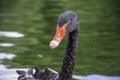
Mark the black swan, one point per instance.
(68, 24)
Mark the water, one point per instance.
(10, 74)
(5, 73)
(7, 56)
(11, 34)
(27, 27)
(6, 44)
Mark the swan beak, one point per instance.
(59, 35)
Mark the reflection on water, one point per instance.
(7, 56)
(11, 34)
(6, 44)
(8, 74)
(5, 73)
(96, 77)
(4, 55)
(40, 55)
(2, 67)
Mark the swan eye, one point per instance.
(70, 21)
(60, 24)
(61, 21)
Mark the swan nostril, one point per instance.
(53, 44)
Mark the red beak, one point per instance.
(59, 35)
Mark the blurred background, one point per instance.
(27, 27)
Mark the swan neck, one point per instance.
(70, 55)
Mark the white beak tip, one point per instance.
(53, 44)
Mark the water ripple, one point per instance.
(7, 56)
(11, 34)
(6, 44)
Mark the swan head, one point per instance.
(67, 22)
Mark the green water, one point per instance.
(98, 51)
